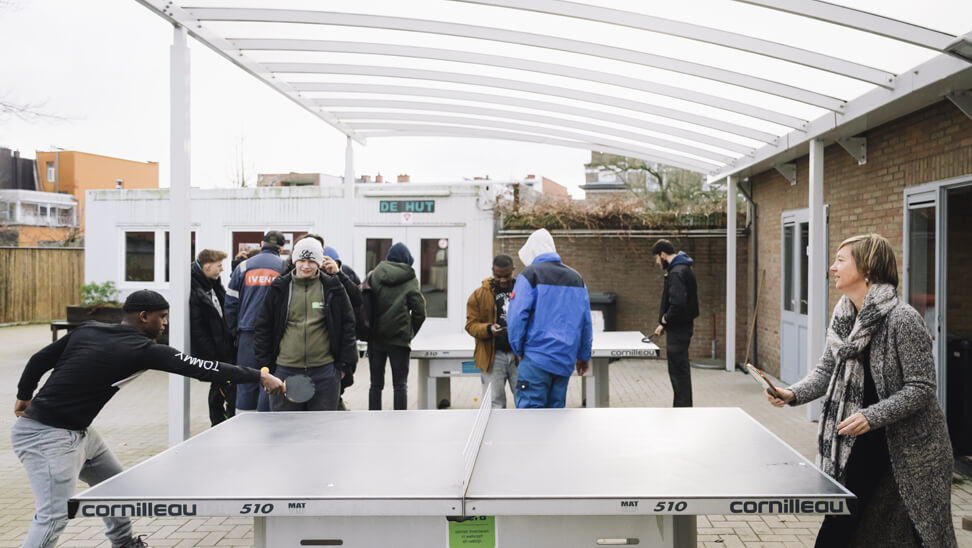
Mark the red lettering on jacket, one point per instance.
(260, 276)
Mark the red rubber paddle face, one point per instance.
(300, 388)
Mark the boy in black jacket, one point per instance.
(52, 435)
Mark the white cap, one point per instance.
(308, 249)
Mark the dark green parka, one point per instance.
(399, 305)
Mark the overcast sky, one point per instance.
(101, 67)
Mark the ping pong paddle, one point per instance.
(299, 388)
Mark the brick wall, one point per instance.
(930, 145)
(624, 265)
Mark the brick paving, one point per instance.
(134, 425)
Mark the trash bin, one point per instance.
(959, 394)
(607, 305)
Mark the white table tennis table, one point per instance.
(462, 478)
(442, 356)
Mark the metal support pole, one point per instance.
(349, 193)
(731, 182)
(816, 265)
(179, 229)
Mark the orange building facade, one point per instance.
(72, 172)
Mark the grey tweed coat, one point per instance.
(921, 455)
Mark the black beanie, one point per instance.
(145, 300)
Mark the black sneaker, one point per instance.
(134, 542)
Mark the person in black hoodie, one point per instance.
(52, 435)
(209, 336)
(679, 308)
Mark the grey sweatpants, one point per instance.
(503, 372)
(55, 458)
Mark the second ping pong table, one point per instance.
(462, 478)
(442, 356)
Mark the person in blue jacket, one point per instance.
(248, 285)
(549, 324)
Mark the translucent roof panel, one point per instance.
(708, 85)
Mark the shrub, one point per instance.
(98, 295)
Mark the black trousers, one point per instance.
(398, 356)
(679, 371)
(222, 401)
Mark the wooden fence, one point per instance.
(36, 284)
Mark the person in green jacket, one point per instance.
(399, 313)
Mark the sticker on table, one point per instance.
(478, 532)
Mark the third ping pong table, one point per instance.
(442, 356)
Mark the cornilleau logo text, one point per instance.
(199, 362)
(138, 509)
(787, 506)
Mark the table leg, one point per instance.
(423, 382)
(443, 391)
(685, 532)
(260, 533)
(53, 333)
(602, 382)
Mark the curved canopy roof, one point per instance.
(712, 86)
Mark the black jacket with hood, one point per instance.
(209, 336)
(680, 298)
(272, 321)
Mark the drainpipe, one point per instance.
(754, 254)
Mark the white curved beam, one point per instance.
(860, 20)
(439, 120)
(216, 43)
(366, 48)
(486, 98)
(453, 131)
(698, 33)
(513, 37)
(347, 116)
(517, 85)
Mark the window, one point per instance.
(375, 251)
(50, 172)
(192, 251)
(788, 302)
(6, 211)
(140, 256)
(434, 276)
(65, 216)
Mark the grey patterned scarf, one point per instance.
(849, 335)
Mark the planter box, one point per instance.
(104, 314)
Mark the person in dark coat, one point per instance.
(209, 335)
(676, 317)
(306, 327)
(399, 313)
(352, 284)
(882, 433)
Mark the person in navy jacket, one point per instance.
(549, 324)
(248, 285)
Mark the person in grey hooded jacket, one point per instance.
(399, 313)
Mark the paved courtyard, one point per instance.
(134, 425)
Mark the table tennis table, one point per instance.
(442, 356)
(462, 478)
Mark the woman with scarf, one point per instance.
(882, 433)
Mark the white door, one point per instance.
(437, 263)
(793, 295)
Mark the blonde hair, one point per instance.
(874, 257)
